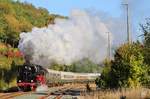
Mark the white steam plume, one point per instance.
(81, 36)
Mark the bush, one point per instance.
(126, 70)
(103, 80)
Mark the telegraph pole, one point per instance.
(128, 30)
(109, 47)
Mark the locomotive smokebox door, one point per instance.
(30, 76)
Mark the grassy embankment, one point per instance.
(129, 93)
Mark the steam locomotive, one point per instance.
(30, 76)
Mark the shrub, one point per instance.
(127, 69)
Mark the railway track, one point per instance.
(59, 92)
(12, 95)
(62, 91)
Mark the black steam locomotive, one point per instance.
(30, 76)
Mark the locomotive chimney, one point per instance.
(27, 59)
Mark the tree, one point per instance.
(82, 66)
(146, 41)
(85, 66)
(104, 80)
(17, 17)
(127, 69)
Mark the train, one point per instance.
(30, 76)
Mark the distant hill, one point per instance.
(16, 17)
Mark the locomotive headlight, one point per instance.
(31, 80)
(19, 80)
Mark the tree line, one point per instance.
(129, 68)
(17, 17)
(131, 64)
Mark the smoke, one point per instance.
(42, 88)
(117, 26)
(81, 36)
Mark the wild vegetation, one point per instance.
(126, 93)
(17, 17)
(82, 66)
(131, 66)
(10, 58)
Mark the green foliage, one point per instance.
(83, 66)
(16, 17)
(146, 41)
(57, 67)
(8, 66)
(104, 79)
(86, 66)
(8, 76)
(127, 67)
(146, 50)
(126, 70)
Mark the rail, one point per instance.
(12, 95)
